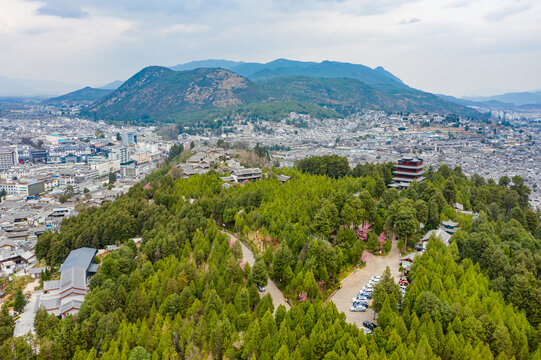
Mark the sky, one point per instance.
(460, 47)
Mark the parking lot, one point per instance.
(375, 266)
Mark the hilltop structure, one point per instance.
(65, 296)
(408, 169)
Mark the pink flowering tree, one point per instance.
(381, 241)
(362, 233)
(366, 255)
(303, 296)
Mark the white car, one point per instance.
(357, 309)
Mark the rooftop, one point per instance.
(80, 258)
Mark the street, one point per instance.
(25, 323)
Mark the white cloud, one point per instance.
(182, 29)
(410, 21)
(457, 48)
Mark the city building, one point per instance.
(8, 157)
(26, 188)
(129, 138)
(408, 169)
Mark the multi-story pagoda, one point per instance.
(408, 169)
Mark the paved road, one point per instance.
(351, 285)
(276, 294)
(25, 323)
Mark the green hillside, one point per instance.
(185, 292)
(158, 94)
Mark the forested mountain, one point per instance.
(183, 293)
(158, 94)
(84, 96)
(284, 67)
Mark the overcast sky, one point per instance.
(462, 47)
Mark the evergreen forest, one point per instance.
(184, 292)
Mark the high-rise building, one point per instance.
(129, 139)
(8, 158)
(124, 156)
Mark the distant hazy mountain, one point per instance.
(517, 98)
(112, 85)
(33, 88)
(158, 94)
(82, 96)
(284, 67)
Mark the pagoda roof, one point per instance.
(398, 172)
(409, 166)
(410, 157)
(408, 180)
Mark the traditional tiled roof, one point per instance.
(440, 234)
(51, 304)
(71, 305)
(51, 285)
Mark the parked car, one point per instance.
(358, 309)
(360, 303)
(369, 325)
(261, 288)
(366, 295)
(418, 248)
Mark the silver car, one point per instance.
(358, 309)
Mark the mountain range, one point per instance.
(284, 67)
(205, 90)
(516, 98)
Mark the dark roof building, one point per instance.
(65, 296)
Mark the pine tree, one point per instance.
(20, 301)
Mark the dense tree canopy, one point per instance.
(183, 294)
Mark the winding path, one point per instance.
(276, 294)
(375, 265)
